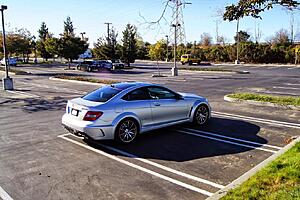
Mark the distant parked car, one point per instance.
(117, 63)
(92, 65)
(89, 65)
(104, 64)
(10, 61)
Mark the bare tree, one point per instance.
(206, 39)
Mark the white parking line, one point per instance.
(23, 93)
(232, 138)
(182, 184)
(288, 88)
(293, 84)
(260, 120)
(4, 195)
(226, 141)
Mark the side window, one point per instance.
(138, 94)
(160, 93)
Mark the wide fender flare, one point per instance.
(122, 116)
(196, 105)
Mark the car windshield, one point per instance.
(106, 93)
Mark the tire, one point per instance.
(190, 63)
(183, 63)
(201, 115)
(78, 68)
(126, 131)
(89, 69)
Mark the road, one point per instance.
(40, 160)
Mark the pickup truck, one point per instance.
(189, 59)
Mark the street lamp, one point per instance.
(7, 81)
(174, 69)
(237, 42)
(82, 33)
(167, 48)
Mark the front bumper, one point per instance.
(87, 128)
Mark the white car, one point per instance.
(10, 61)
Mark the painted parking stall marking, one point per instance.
(218, 138)
(255, 119)
(4, 195)
(148, 171)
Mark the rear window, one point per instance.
(184, 56)
(106, 93)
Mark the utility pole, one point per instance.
(179, 32)
(82, 33)
(108, 23)
(7, 81)
(237, 42)
(167, 48)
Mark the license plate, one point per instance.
(74, 112)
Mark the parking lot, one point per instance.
(40, 160)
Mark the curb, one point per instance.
(215, 72)
(260, 65)
(74, 81)
(259, 103)
(237, 182)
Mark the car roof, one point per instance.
(135, 84)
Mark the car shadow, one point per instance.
(170, 145)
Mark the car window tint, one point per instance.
(160, 93)
(102, 94)
(139, 94)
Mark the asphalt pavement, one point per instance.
(40, 160)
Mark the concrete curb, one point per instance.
(252, 171)
(259, 103)
(207, 72)
(74, 81)
(261, 65)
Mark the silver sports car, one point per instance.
(121, 111)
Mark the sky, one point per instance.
(90, 15)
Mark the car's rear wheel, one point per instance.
(201, 115)
(89, 69)
(126, 131)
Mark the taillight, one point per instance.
(92, 115)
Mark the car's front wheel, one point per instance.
(126, 131)
(201, 115)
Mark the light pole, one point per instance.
(82, 33)
(7, 81)
(174, 69)
(237, 42)
(167, 48)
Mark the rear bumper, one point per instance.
(86, 128)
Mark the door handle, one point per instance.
(156, 104)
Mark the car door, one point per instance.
(137, 102)
(166, 106)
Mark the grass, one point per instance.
(281, 100)
(278, 180)
(15, 71)
(92, 80)
(206, 69)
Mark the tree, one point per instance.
(157, 50)
(243, 36)
(52, 46)
(70, 47)
(254, 8)
(68, 27)
(18, 42)
(281, 37)
(43, 35)
(107, 48)
(206, 39)
(129, 47)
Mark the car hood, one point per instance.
(190, 95)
